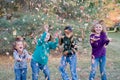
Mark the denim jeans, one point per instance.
(102, 65)
(72, 61)
(20, 74)
(36, 67)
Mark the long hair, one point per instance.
(50, 39)
(93, 28)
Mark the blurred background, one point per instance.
(26, 18)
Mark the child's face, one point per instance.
(98, 28)
(47, 37)
(68, 33)
(19, 46)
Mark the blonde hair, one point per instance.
(93, 28)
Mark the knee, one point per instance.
(47, 73)
(103, 73)
(93, 72)
(35, 76)
(18, 77)
(61, 68)
(93, 69)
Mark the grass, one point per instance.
(83, 64)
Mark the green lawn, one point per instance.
(83, 64)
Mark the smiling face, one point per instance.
(47, 37)
(98, 28)
(19, 46)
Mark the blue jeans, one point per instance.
(102, 64)
(35, 70)
(72, 61)
(20, 74)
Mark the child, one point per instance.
(22, 39)
(21, 56)
(69, 54)
(40, 56)
(98, 41)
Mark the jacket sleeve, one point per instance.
(16, 56)
(105, 40)
(41, 39)
(74, 44)
(93, 43)
(53, 45)
(27, 54)
(61, 41)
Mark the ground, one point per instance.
(83, 64)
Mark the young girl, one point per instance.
(40, 56)
(21, 56)
(98, 41)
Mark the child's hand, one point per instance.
(56, 35)
(110, 39)
(29, 58)
(60, 32)
(93, 39)
(35, 40)
(19, 60)
(46, 28)
(65, 53)
(105, 46)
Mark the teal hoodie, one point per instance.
(42, 49)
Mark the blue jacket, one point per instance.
(42, 49)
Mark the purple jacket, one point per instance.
(98, 47)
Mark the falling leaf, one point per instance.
(23, 20)
(42, 19)
(78, 69)
(5, 38)
(14, 32)
(7, 53)
(38, 16)
(82, 8)
(86, 24)
(34, 19)
(23, 72)
(37, 64)
(39, 5)
(37, 9)
(10, 57)
(12, 1)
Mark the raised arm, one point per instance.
(42, 38)
(54, 45)
(93, 40)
